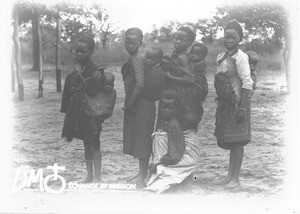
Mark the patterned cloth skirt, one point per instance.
(173, 174)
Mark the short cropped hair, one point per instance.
(204, 49)
(88, 40)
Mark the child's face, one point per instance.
(132, 44)
(181, 41)
(231, 39)
(151, 58)
(168, 108)
(195, 54)
(82, 52)
(108, 85)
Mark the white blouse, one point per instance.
(242, 67)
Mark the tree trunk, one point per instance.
(286, 60)
(58, 70)
(38, 35)
(35, 46)
(12, 72)
(18, 56)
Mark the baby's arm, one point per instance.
(109, 110)
(184, 65)
(176, 144)
(93, 83)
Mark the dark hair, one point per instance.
(204, 49)
(135, 31)
(158, 51)
(190, 33)
(88, 40)
(234, 25)
(173, 95)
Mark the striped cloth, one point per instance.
(173, 174)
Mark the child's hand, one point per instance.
(97, 74)
(153, 168)
(167, 74)
(240, 115)
(252, 67)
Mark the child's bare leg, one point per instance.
(238, 154)
(226, 180)
(89, 169)
(97, 160)
(143, 170)
(88, 163)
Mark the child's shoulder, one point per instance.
(241, 57)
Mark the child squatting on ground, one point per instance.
(88, 99)
(233, 85)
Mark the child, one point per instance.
(172, 152)
(154, 75)
(85, 80)
(182, 71)
(176, 152)
(137, 118)
(253, 60)
(197, 55)
(182, 76)
(233, 84)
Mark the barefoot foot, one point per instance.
(96, 180)
(87, 179)
(232, 184)
(133, 178)
(222, 181)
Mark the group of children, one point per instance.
(179, 83)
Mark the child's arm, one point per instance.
(93, 83)
(200, 67)
(138, 65)
(109, 110)
(183, 64)
(244, 73)
(176, 144)
(65, 96)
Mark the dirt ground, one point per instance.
(38, 143)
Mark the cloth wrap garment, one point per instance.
(138, 124)
(79, 84)
(228, 87)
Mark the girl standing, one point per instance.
(233, 84)
(139, 110)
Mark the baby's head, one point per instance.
(253, 59)
(184, 38)
(198, 52)
(170, 104)
(84, 49)
(109, 80)
(189, 121)
(153, 56)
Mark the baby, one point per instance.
(253, 60)
(154, 74)
(102, 105)
(197, 55)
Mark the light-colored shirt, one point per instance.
(242, 67)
